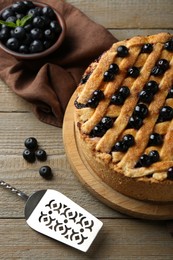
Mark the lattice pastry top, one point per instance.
(124, 106)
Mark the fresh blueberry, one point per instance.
(48, 11)
(38, 22)
(55, 26)
(12, 44)
(36, 46)
(7, 13)
(36, 33)
(23, 49)
(19, 33)
(49, 34)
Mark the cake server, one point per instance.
(53, 214)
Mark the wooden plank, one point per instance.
(118, 239)
(128, 14)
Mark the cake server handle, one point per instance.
(21, 194)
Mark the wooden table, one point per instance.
(122, 237)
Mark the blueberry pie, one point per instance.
(124, 117)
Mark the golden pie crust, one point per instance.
(121, 169)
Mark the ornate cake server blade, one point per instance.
(53, 214)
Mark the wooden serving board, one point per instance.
(110, 197)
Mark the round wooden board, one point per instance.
(100, 190)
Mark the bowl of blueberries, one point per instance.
(31, 30)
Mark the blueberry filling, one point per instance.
(160, 67)
(79, 105)
(133, 72)
(170, 94)
(124, 144)
(100, 129)
(146, 96)
(169, 45)
(147, 48)
(85, 78)
(122, 51)
(141, 110)
(135, 122)
(109, 75)
(151, 86)
(155, 139)
(120, 96)
(147, 159)
(170, 173)
(166, 114)
(93, 102)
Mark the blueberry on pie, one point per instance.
(124, 117)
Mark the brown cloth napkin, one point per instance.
(48, 83)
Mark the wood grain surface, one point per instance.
(122, 237)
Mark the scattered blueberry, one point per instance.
(45, 172)
(122, 51)
(29, 155)
(31, 143)
(41, 155)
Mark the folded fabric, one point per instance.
(48, 83)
